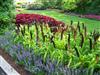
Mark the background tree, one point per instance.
(94, 7)
(88, 6)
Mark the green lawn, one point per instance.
(91, 24)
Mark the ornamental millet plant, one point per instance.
(90, 42)
(31, 35)
(24, 29)
(63, 29)
(78, 26)
(62, 34)
(28, 27)
(69, 40)
(22, 32)
(96, 36)
(77, 52)
(37, 34)
(82, 40)
(71, 22)
(85, 31)
(74, 32)
(41, 26)
(83, 26)
(52, 41)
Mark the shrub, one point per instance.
(69, 5)
(48, 3)
(4, 19)
(54, 4)
(6, 14)
(36, 7)
(21, 4)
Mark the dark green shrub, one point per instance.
(6, 13)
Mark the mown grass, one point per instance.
(90, 23)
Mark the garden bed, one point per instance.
(45, 46)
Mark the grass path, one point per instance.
(91, 24)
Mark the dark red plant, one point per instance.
(27, 19)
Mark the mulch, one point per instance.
(18, 68)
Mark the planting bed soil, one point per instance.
(8, 58)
